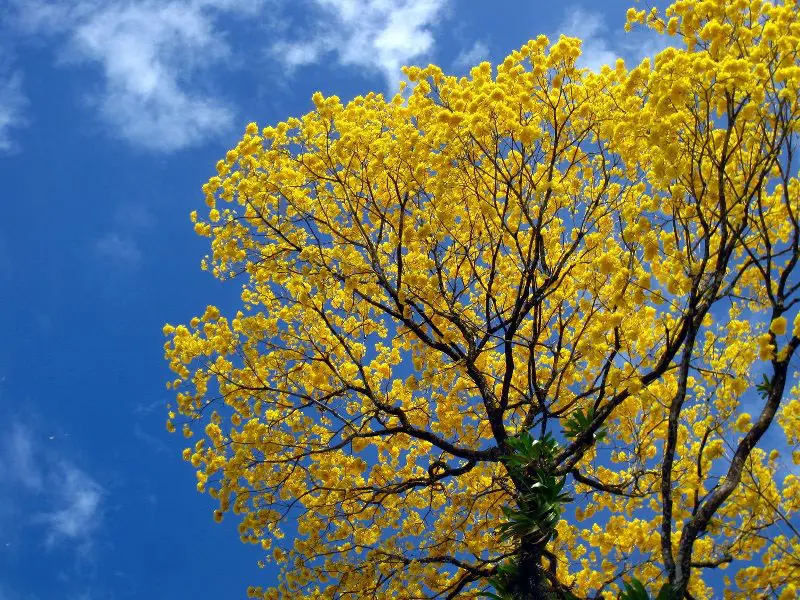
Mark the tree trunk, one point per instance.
(533, 583)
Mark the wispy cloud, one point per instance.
(120, 245)
(153, 56)
(375, 35)
(76, 511)
(18, 465)
(469, 57)
(12, 108)
(47, 492)
(589, 27)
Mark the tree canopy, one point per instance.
(538, 318)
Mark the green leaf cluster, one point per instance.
(579, 421)
(538, 508)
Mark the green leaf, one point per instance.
(765, 387)
(634, 590)
(579, 421)
(665, 593)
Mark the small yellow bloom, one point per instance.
(606, 264)
(635, 385)
(743, 422)
(789, 592)
(615, 319)
(778, 326)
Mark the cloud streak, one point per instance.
(12, 108)
(18, 464)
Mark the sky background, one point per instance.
(112, 115)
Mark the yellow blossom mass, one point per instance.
(605, 262)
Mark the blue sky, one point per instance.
(112, 115)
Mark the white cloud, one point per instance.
(18, 464)
(12, 105)
(590, 28)
(77, 506)
(297, 54)
(156, 57)
(68, 501)
(376, 35)
(151, 54)
(468, 58)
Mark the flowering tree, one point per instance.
(528, 331)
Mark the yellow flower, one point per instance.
(606, 264)
(743, 422)
(778, 326)
(789, 592)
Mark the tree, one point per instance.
(478, 315)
